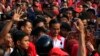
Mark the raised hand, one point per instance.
(82, 47)
(79, 25)
(17, 14)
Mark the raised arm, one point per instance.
(16, 17)
(82, 46)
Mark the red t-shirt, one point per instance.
(32, 49)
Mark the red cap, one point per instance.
(57, 52)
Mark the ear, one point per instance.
(22, 28)
(18, 42)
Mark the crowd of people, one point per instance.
(49, 27)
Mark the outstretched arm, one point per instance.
(82, 46)
(7, 27)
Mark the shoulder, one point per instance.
(62, 38)
(14, 53)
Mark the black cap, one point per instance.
(44, 44)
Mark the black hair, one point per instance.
(18, 35)
(37, 30)
(68, 9)
(24, 2)
(48, 14)
(59, 17)
(85, 6)
(38, 20)
(84, 15)
(66, 26)
(62, 10)
(22, 23)
(91, 11)
(53, 21)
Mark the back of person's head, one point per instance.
(38, 31)
(44, 45)
(91, 11)
(84, 15)
(65, 26)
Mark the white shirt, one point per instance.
(8, 54)
(59, 43)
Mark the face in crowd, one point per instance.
(55, 28)
(27, 28)
(8, 40)
(24, 43)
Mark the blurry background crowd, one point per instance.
(48, 24)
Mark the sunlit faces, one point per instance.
(24, 43)
(8, 40)
(55, 29)
(27, 28)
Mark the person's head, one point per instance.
(69, 13)
(8, 40)
(44, 44)
(80, 7)
(25, 26)
(91, 11)
(39, 22)
(64, 5)
(47, 20)
(24, 5)
(63, 19)
(54, 27)
(84, 16)
(37, 6)
(21, 39)
(37, 32)
(65, 29)
(85, 8)
(55, 10)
